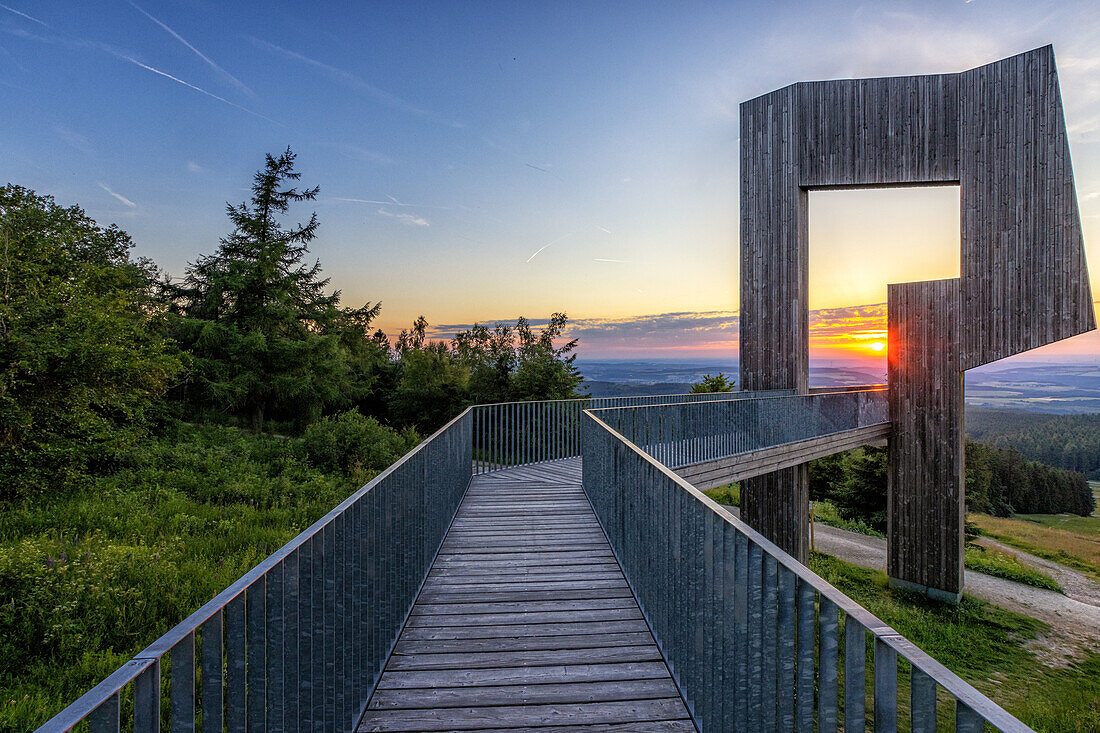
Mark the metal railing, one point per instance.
(687, 433)
(752, 637)
(510, 434)
(299, 641)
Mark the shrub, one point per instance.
(351, 443)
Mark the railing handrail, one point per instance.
(814, 390)
(80, 708)
(755, 395)
(955, 685)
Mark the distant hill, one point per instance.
(1065, 441)
(618, 389)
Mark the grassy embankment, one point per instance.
(88, 580)
(1068, 539)
(991, 562)
(985, 645)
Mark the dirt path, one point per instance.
(1074, 618)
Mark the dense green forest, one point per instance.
(999, 481)
(1066, 441)
(160, 436)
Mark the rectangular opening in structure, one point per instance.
(861, 240)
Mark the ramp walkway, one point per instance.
(526, 622)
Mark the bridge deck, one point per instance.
(526, 622)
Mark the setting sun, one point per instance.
(878, 346)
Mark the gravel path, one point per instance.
(1074, 618)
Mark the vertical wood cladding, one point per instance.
(998, 131)
(1025, 281)
(776, 505)
(925, 474)
(775, 317)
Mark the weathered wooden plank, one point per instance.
(449, 697)
(546, 629)
(528, 716)
(424, 608)
(525, 658)
(572, 593)
(522, 643)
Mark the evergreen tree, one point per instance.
(713, 383)
(265, 335)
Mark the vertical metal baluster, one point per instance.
(305, 633)
(105, 718)
(340, 629)
(212, 673)
(331, 562)
(827, 666)
(147, 700)
(855, 682)
(291, 640)
(714, 617)
(182, 689)
(276, 694)
(966, 720)
(257, 658)
(236, 711)
(886, 688)
(317, 615)
(923, 701)
(743, 688)
(785, 638)
(756, 627)
(804, 672)
(769, 644)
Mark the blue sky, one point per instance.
(479, 161)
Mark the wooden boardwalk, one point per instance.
(526, 622)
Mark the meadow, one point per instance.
(1063, 538)
(89, 579)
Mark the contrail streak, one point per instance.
(200, 90)
(28, 17)
(234, 80)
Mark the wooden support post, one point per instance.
(925, 498)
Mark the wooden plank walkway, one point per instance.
(526, 622)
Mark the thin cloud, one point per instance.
(224, 74)
(406, 218)
(74, 139)
(607, 259)
(118, 196)
(28, 17)
(81, 43)
(189, 85)
(538, 251)
(193, 167)
(389, 202)
(351, 80)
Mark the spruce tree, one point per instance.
(256, 315)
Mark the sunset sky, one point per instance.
(483, 161)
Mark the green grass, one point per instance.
(984, 645)
(1006, 565)
(728, 495)
(826, 513)
(88, 580)
(1066, 539)
(1088, 526)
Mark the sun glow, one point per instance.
(878, 346)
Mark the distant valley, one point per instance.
(1053, 388)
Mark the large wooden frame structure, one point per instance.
(996, 131)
